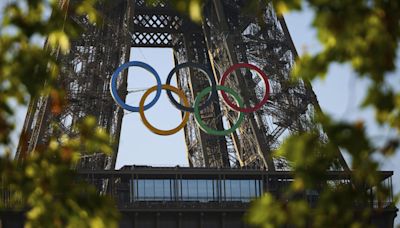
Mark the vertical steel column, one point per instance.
(225, 56)
(211, 150)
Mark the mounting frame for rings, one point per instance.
(213, 89)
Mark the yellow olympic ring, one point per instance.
(148, 125)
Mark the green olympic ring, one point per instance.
(206, 128)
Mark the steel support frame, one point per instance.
(226, 36)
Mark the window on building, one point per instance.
(203, 190)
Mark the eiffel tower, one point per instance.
(227, 35)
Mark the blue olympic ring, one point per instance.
(113, 85)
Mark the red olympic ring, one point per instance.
(232, 104)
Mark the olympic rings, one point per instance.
(205, 71)
(263, 77)
(207, 129)
(181, 95)
(113, 85)
(214, 87)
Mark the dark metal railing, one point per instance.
(185, 188)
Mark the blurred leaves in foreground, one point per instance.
(32, 34)
(339, 204)
(362, 33)
(365, 35)
(46, 184)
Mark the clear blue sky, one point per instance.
(138, 145)
(341, 93)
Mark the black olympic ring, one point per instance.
(211, 79)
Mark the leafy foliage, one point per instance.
(44, 183)
(336, 202)
(368, 41)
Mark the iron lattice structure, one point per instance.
(227, 35)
